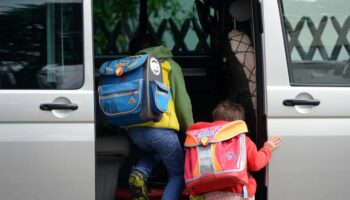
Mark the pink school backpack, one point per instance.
(215, 156)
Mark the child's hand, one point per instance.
(273, 142)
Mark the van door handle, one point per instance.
(57, 106)
(297, 102)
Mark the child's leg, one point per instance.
(165, 145)
(143, 169)
(141, 136)
(169, 150)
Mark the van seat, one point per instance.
(114, 145)
(111, 152)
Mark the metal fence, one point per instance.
(316, 32)
(178, 33)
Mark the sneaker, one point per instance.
(137, 182)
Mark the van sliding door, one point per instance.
(307, 97)
(46, 100)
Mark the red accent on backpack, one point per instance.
(215, 156)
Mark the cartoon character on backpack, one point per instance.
(219, 155)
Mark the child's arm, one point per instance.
(258, 159)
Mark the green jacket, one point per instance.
(181, 103)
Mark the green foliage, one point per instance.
(107, 13)
(172, 7)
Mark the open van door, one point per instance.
(307, 75)
(46, 100)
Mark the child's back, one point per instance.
(256, 159)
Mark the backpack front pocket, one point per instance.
(161, 96)
(122, 98)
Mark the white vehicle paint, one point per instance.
(312, 162)
(49, 154)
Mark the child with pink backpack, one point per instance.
(219, 155)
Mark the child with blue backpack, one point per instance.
(159, 140)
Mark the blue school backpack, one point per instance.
(131, 90)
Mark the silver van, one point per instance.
(286, 61)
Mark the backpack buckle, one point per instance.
(204, 141)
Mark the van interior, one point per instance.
(218, 46)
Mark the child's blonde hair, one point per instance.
(228, 111)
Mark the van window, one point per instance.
(41, 44)
(317, 44)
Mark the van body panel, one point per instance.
(50, 154)
(47, 161)
(292, 127)
(334, 102)
(276, 74)
(31, 100)
(309, 167)
(312, 161)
